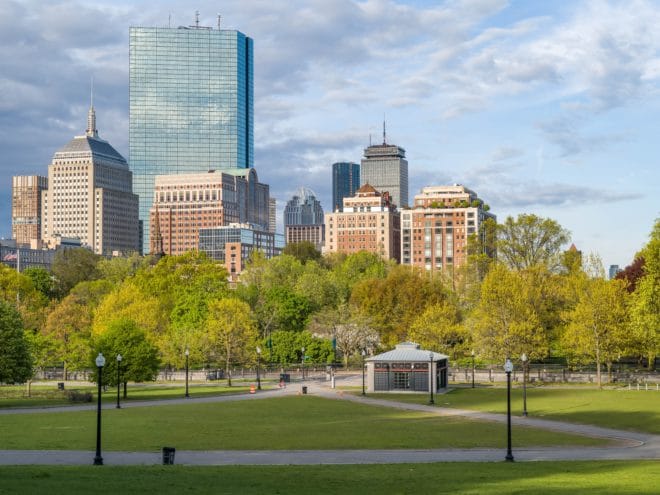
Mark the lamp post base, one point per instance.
(509, 457)
(98, 460)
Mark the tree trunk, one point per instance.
(228, 374)
(600, 383)
(125, 389)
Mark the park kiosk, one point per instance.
(407, 368)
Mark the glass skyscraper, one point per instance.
(345, 181)
(191, 105)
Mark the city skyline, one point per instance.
(544, 109)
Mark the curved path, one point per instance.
(628, 445)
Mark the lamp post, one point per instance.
(100, 363)
(508, 368)
(431, 377)
(118, 378)
(302, 365)
(187, 353)
(472, 368)
(364, 353)
(523, 358)
(258, 366)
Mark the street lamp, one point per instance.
(258, 366)
(431, 376)
(100, 363)
(364, 353)
(523, 358)
(118, 378)
(508, 368)
(472, 368)
(302, 366)
(187, 353)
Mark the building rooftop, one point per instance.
(407, 352)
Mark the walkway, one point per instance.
(629, 445)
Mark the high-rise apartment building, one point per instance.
(303, 219)
(435, 231)
(369, 222)
(90, 197)
(26, 208)
(186, 203)
(345, 181)
(191, 105)
(385, 167)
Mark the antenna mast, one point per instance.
(197, 19)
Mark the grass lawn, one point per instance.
(547, 478)
(12, 396)
(623, 409)
(292, 422)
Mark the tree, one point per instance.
(530, 240)
(596, 326)
(439, 329)
(506, 322)
(303, 251)
(140, 362)
(287, 348)
(15, 360)
(231, 331)
(72, 266)
(42, 280)
(645, 301)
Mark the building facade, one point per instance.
(345, 181)
(233, 244)
(303, 219)
(369, 222)
(435, 231)
(26, 207)
(385, 167)
(90, 197)
(191, 105)
(186, 203)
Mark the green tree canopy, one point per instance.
(140, 362)
(530, 240)
(303, 251)
(72, 266)
(15, 359)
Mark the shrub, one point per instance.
(78, 396)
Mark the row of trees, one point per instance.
(536, 298)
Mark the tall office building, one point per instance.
(435, 231)
(367, 222)
(345, 181)
(26, 207)
(303, 219)
(186, 203)
(385, 167)
(89, 196)
(191, 105)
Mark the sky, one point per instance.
(547, 108)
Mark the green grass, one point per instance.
(292, 422)
(547, 478)
(13, 396)
(621, 408)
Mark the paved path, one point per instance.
(628, 445)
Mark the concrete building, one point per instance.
(190, 104)
(435, 231)
(368, 222)
(345, 181)
(186, 203)
(303, 219)
(233, 244)
(90, 197)
(407, 368)
(26, 207)
(385, 167)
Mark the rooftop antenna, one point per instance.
(219, 18)
(169, 19)
(197, 18)
(384, 133)
(91, 91)
(370, 139)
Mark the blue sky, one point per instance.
(540, 107)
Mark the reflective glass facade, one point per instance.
(191, 105)
(345, 181)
